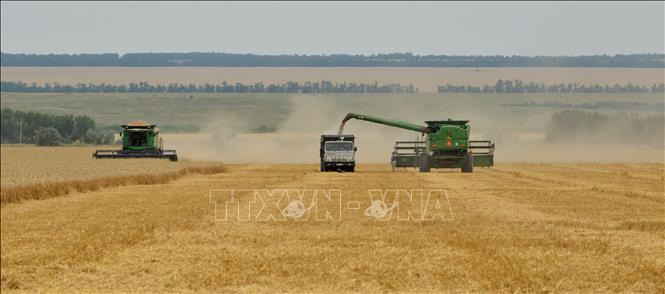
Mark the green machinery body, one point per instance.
(446, 145)
(139, 140)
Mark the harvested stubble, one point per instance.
(523, 227)
(41, 172)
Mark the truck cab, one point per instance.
(338, 153)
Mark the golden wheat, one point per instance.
(517, 228)
(43, 172)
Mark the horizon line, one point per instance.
(333, 54)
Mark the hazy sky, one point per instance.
(335, 27)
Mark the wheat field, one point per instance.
(517, 227)
(30, 172)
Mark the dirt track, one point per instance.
(527, 227)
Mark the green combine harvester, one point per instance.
(139, 140)
(446, 145)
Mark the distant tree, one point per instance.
(82, 124)
(390, 59)
(593, 127)
(100, 137)
(20, 125)
(501, 86)
(47, 136)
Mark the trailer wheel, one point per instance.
(467, 166)
(425, 163)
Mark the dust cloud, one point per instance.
(518, 135)
(296, 139)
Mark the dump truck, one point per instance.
(338, 153)
(139, 140)
(445, 144)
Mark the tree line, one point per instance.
(224, 87)
(517, 86)
(48, 129)
(602, 105)
(389, 59)
(577, 126)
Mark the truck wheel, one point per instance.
(351, 169)
(425, 163)
(467, 166)
(323, 168)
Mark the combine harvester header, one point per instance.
(139, 140)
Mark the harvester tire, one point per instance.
(467, 166)
(424, 165)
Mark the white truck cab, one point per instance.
(338, 153)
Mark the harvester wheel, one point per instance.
(425, 163)
(468, 163)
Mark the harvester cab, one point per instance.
(446, 144)
(139, 140)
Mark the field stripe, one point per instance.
(53, 189)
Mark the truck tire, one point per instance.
(351, 169)
(467, 165)
(424, 165)
(323, 168)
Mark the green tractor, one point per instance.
(446, 145)
(139, 140)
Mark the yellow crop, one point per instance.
(42, 172)
(516, 228)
